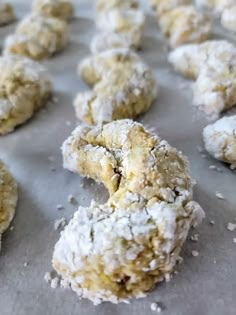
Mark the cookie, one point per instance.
(38, 37)
(213, 66)
(104, 5)
(184, 25)
(24, 88)
(8, 199)
(124, 87)
(61, 9)
(220, 140)
(121, 249)
(7, 14)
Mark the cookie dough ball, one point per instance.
(8, 199)
(104, 5)
(38, 37)
(162, 6)
(24, 88)
(7, 14)
(220, 140)
(61, 9)
(124, 88)
(228, 18)
(121, 249)
(184, 25)
(189, 60)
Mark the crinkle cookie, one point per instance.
(8, 199)
(213, 64)
(24, 88)
(162, 6)
(184, 24)
(220, 140)
(61, 9)
(121, 249)
(124, 87)
(38, 37)
(104, 5)
(7, 14)
(122, 26)
(228, 18)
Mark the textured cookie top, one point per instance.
(120, 20)
(165, 5)
(8, 198)
(103, 5)
(63, 9)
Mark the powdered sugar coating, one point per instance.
(25, 87)
(62, 9)
(162, 6)
(38, 37)
(124, 87)
(228, 18)
(119, 250)
(104, 5)
(8, 199)
(220, 139)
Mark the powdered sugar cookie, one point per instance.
(38, 37)
(121, 249)
(103, 5)
(184, 24)
(220, 140)
(24, 88)
(8, 198)
(7, 14)
(61, 9)
(124, 87)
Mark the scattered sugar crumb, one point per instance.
(60, 207)
(215, 168)
(194, 237)
(11, 228)
(233, 167)
(176, 272)
(155, 307)
(60, 224)
(234, 240)
(51, 158)
(200, 149)
(82, 185)
(55, 283)
(179, 260)
(71, 199)
(214, 261)
(212, 222)
(68, 123)
(168, 277)
(48, 277)
(195, 253)
(220, 196)
(65, 284)
(26, 264)
(231, 226)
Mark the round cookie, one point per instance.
(124, 87)
(24, 88)
(8, 198)
(104, 5)
(121, 249)
(38, 37)
(220, 140)
(61, 9)
(184, 25)
(7, 14)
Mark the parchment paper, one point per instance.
(205, 285)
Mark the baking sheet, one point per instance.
(205, 285)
